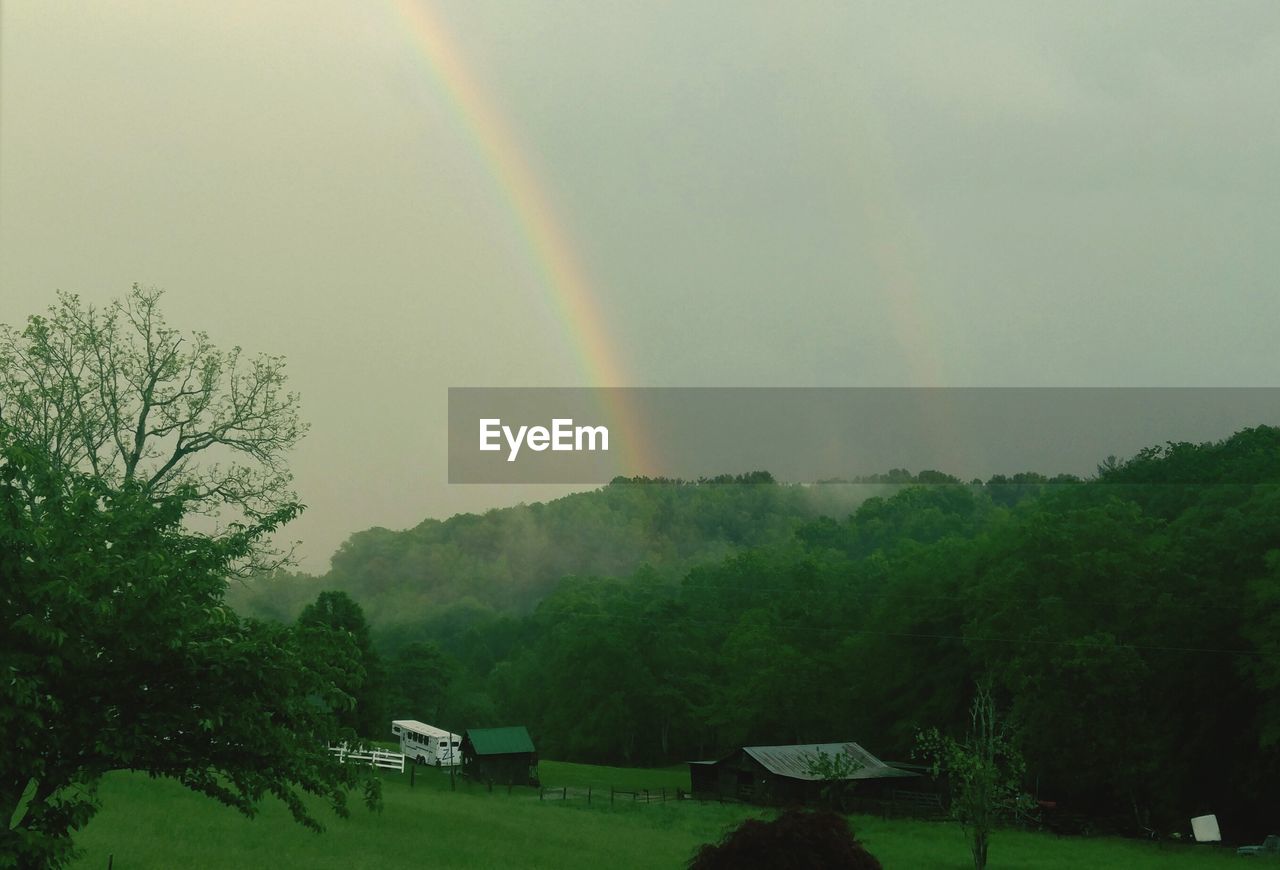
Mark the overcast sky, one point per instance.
(835, 194)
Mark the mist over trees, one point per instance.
(1126, 624)
(507, 560)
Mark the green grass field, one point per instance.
(158, 824)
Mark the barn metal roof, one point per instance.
(500, 741)
(793, 761)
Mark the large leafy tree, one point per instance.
(118, 652)
(119, 394)
(335, 632)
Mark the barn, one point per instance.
(783, 775)
(500, 755)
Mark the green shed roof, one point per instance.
(500, 741)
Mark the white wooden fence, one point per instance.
(376, 757)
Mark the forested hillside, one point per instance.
(507, 560)
(1128, 626)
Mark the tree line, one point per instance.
(1128, 624)
(509, 559)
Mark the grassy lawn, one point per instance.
(157, 824)
(559, 773)
(905, 844)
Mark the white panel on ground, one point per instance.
(1205, 829)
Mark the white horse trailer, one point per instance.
(427, 744)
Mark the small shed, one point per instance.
(500, 755)
(783, 774)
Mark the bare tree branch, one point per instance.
(120, 394)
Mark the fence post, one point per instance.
(664, 794)
(588, 795)
(540, 789)
(564, 793)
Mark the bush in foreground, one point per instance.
(796, 840)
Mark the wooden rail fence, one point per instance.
(376, 757)
(642, 796)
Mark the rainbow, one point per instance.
(563, 277)
(564, 280)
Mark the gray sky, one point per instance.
(834, 194)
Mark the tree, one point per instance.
(335, 631)
(836, 772)
(120, 653)
(985, 772)
(119, 394)
(423, 674)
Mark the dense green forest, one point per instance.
(508, 559)
(1128, 624)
